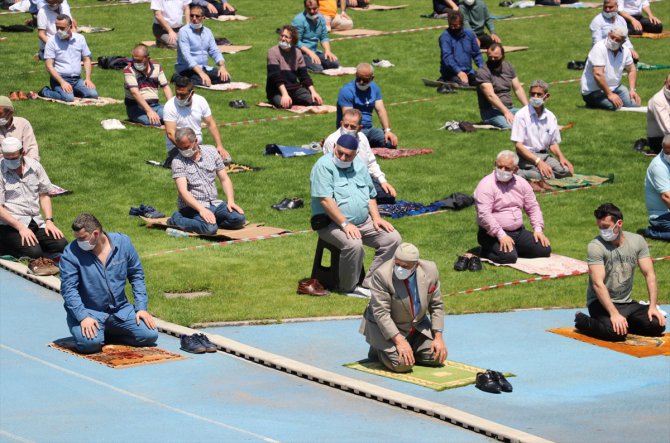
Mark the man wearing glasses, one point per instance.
(194, 44)
(364, 94)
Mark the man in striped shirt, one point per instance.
(142, 80)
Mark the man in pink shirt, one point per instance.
(500, 199)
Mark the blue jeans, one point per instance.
(189, 220)
(136, 112)
(598, 99)
(376, 138)
(325, 63)
(114, 330)
(78, 90)
(659, 227)
(496, 118)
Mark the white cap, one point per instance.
(11, 145)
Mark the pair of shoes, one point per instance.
(505, 4)
(382, 63)
(18, 95)
(145, 211)
(238, 104)
(43, 266)
(445, 89)
(222, 41)
(576, 65)
(289, 203)
(640, 144)
(360, 292)
(493, 382)
(311, 286)
(196, 344)
(471, 263)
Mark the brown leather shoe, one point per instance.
(312, 287)
(14, 96)
(22, 95)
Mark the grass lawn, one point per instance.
(257, 280)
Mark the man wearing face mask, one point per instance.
(364, 94)
(351, 124)
(345, 214)
(312, 30)
(24, 189)
(476, 16)
(500, 199)
(188, 110)
(142, 80)
(657, 193)
(612, 257)
(404, 320)
(536, 136)
(601, 80)
(64, 53)
(658, 117)
(458, 49)
(194, 43)
(495, 83)
(602, 24)
(288, 81)
(46, 21)
(195, 170)
(17, 127)
(94, 269)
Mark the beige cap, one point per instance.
(11, 145)
(407, 252)
(5, 102)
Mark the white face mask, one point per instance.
(184, 102)
(402, 273)
(503, 176)
(13, 164)
(364, 87)
(352, 132)
(609, 14)
(666, 92)
(63, 35)
(84, 245)
(188, 153)
(341, 164)
(536, 102)
(140, 66)
(469, 2)
(311, 16)
(667, 158)
(54, 7)
(284, 45)
(4, 121)
(609, 234)
(612, 45)
(196, 26)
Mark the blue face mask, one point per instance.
(13, 164)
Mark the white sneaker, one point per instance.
(360, 292)
(383, 64)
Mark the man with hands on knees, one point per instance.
(404, 320)
(94, 269)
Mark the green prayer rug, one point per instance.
(451, 375)
(580, 181)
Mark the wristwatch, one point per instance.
(344, 224)
(387, 130)
(49, 219)
(537, 161)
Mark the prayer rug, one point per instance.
(128, 122)
(354, 32)
(580, 181)
(642, 109)
(379, 8)
(635, 345)
(512, 49)
(250, 230)
(582, 5)
(437, 83)
(451, 375)
(236, 168)
(232, 18)
(232, 86)
(120, 356)
(322, 109)
(664, 34)
(404, 208)
(55, 191)
(390, 154)
(647, 67)
(288, 151)
(553, 265)
(100, 101)
(347, 70)
(92, 29)
(233, 49)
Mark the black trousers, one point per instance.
(600, 325)
(655, 144)
(10, 242)
(299, 97)
(219, 9)
(647, 26)
(524, 246)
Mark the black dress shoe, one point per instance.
(281, 204)
(461, 263)
(640, 144)
(486, 383)
(499, 378)
(474, 264)
(295, 203)
(445, 89)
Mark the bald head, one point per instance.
(365, 69)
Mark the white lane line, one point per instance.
(136, 396)
(4, 433)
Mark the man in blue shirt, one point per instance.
(657, 193)
(94, 269)
(458, 48)
(345, 214)
(312, 29)
(364, 94)
(194, 44)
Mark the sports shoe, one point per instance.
(209, 346)
(238, 104)
(474, 264)
(382, 63)
(499, 378)
(461, 263)
(486, 383)
(43, 266)
(192, 344)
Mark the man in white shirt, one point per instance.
(602, 24)
(189, 110)
(601, 80)
(632, 10)
(351, 124)
(168, 19)
(658, 117)
(46, 21)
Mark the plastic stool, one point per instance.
(329, 276)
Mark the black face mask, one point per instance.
(494, 64)
(455, 32)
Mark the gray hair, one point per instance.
(619, 30)
(353, 112)
(540, 84)
(142, 49)
(508, 154)
(185, 132)
(87, 222)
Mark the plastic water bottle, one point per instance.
(176, 233)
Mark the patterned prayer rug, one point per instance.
(390, 154)
(120, 356)
(635, 345)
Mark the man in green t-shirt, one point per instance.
(612, 257)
